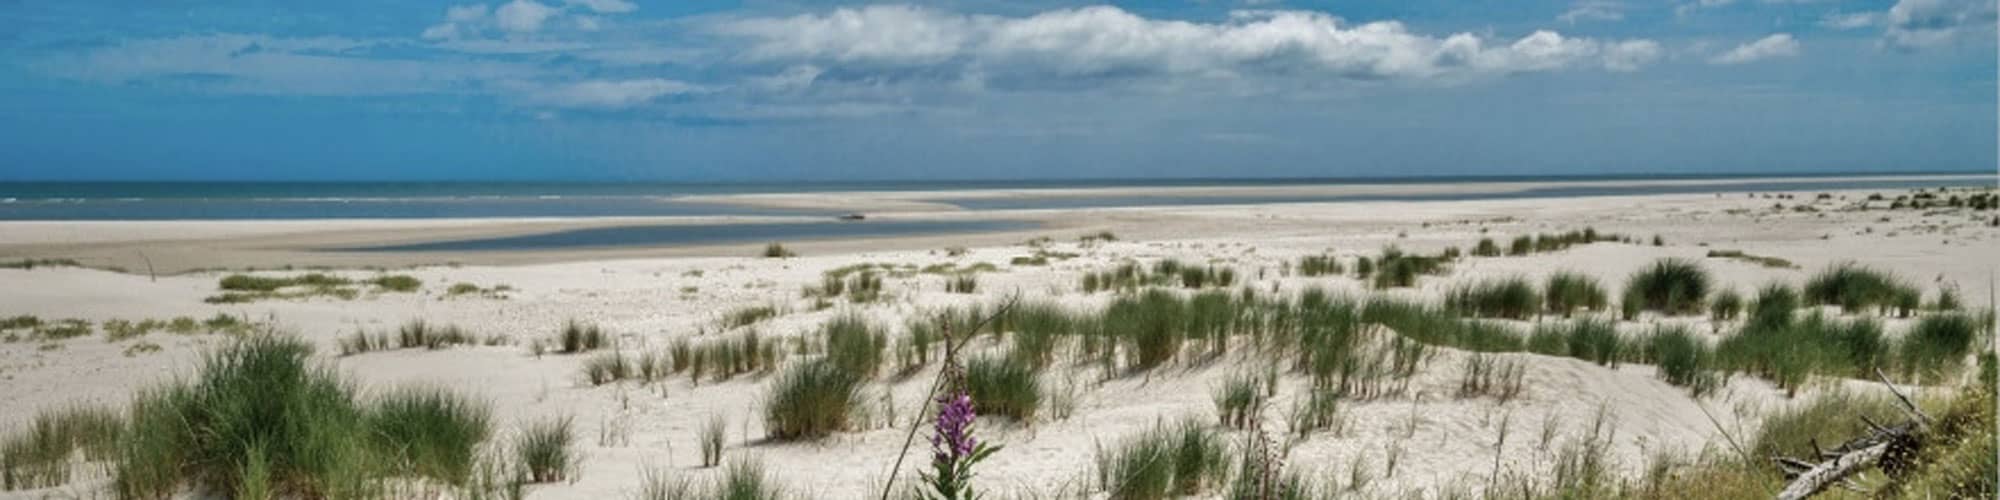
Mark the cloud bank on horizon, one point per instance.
(608, 89)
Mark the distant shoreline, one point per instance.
(384, 201)
(177, 246)
(8, 186)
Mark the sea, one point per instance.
(60, 201)
(159, 201)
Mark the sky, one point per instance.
(715, 90)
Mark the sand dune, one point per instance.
(649, 297)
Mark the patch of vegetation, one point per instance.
(1771, 262)
(579, 337)
(397, 283)
(1682, 359)
(1486, 248)
(116, 330)
(39, 456)
(546, 450)
(712, 436)
(20, 322)
(1855, 288)
(63, 329)
(962, 283)
(1726, 305)
(1006, 386)
(1492, 375)
(1181, 459)
(1320, 265)
(462, 289)
(1238, 399)
(854, 344)
(811, 400)
(778, 251)
(608, 367)
(1165, 272)
(244, 288)
(1670, 286)
(1788, 351)
(748, 315)
(1938, 344)
(260, 420)
(34, 263)
(1594, 340)
(1397, 269)
(419, 333)
(1508, 298)
(1568, 292)
(724, 358)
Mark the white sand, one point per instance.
(639, 294)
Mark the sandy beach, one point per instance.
(1421, 438)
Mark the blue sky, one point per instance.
(702, 90)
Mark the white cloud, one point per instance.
(465, 13)
(893, 35)
(1106, 42)
(793, 79)
(519, 19)
(522, 15)
(1921, 23)
(614, 94)
(604, 6)
(1630, 55)
(1841, 21)
(1592, 10)
(1778, 45)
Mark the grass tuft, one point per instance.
(854, 344)
(259, 418)
(1671, 286)
(429, 431)
(39, 456)
(1683, 360)
(778, 251)
(1567, 292)
(1508, 298)
(712, 436)
(1181, 459)
(810, 401)
(546, 450)
(1005, 386)
(580, 338)
(1855, 288)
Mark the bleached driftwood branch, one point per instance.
(1850, 458)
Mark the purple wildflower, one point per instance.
(952, 438)
(954, 450)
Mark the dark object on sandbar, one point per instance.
(853, 216)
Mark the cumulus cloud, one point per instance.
(1843, 21)
(1592, 10)
(522, 15)
(1778, 45)
(1914, 24)
(1630, 55)
(1107, 42)
(523, 18)
(613, 94)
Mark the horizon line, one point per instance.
(1195, 179)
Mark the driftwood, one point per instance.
(1888, 447)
